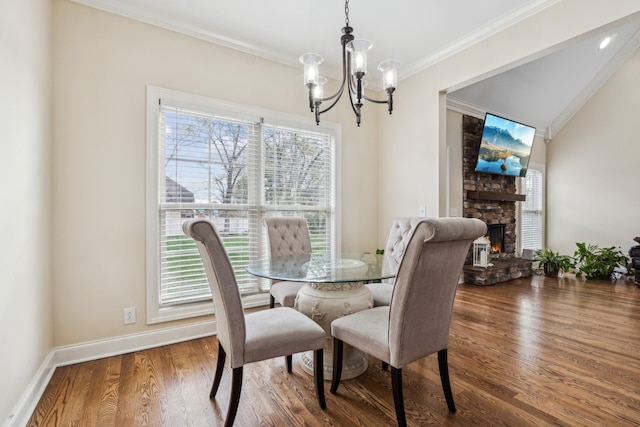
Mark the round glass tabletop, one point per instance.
(326, 268)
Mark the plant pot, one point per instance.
(551, 272)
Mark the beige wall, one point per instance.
(25, 173)
(414, 141)
(593, 169)
(102, 65)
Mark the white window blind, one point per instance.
(298, 180)
(206, 163)
(531, 210)
(226, 165)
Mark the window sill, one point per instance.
(187, 311)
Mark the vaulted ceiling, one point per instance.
(544, 92)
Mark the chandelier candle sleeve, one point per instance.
(319, 89)
(358, 52)
(311, 62)
(389, 70)
(354, 68)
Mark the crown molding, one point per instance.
(469, 109)
(466, 108)
(500, 24)
(483, 33)
(193, 31)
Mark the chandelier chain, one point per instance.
(346, 13)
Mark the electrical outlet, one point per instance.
(129, 315)
(422, 211)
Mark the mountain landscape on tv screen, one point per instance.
(501, 153)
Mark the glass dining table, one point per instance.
(334, 287)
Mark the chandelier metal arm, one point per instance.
(335, 98)
(345, 72)
(388, 101)
(346, 38)
(377, 101)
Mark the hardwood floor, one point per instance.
(533, 351)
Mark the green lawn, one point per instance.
(183, 264)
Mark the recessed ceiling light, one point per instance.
(604, 43)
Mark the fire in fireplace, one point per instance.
(496, 237)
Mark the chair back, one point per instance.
(399, 235)
(288, 236)
(224, 288)
(425, 287)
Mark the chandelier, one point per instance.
(354, 68)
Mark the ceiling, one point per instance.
(546, 92)
(543, 93)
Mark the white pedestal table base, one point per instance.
(324, 302)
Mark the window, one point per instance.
(234, 165)
(531, 224)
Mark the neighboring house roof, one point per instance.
(176, 193)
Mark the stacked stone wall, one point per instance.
(490, 211)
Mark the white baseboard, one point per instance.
(31, 396)
(93, 350)
(67, 355)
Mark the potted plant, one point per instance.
(600, 263)
(553, 263)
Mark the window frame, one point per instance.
(154, 312)
(520, 206)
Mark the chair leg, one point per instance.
(234, 400)
(398, 399)
(219, 368)
(443, 364)
(337, 365)
(318, 375)
(289, 362)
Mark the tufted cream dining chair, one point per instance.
(287, 236)
(256, 336)
(416, 323)
(399, 234)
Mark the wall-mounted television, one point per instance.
(505, 147)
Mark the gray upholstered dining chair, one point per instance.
(255, 336)
(416, 323)
(399, 235)
(287, 236)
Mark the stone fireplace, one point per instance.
(491, 198)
